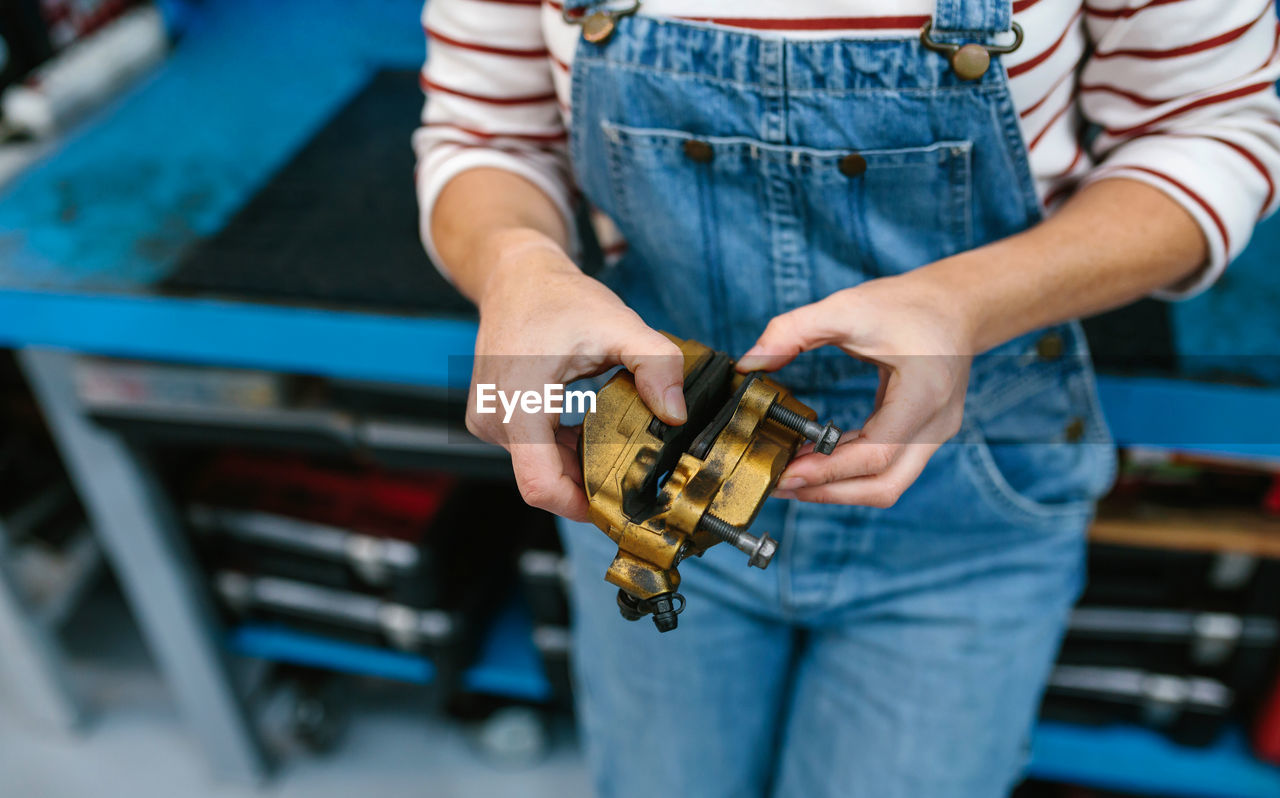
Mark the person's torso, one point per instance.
(752, 174)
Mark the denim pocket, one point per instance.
(667, 206)
(741, 230)
(1045, 455)
(912, 206)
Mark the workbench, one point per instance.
(87, 234)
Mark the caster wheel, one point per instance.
(514, 737)
(317, 722)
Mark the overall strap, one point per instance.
(984, 18)
(598, 18)
(583, 7)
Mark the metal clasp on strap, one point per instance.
(598, 25)
(969, 61)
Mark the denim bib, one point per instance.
(752, 175)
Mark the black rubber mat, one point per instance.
(338, 225)
(1137, 339)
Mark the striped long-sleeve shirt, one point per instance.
(1182, 92)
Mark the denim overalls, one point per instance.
(885, 653)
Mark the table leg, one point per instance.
(35, 676)
(165, 588)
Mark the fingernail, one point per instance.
(784, 494)
(673, 401)
(752, 359)
(791, 483)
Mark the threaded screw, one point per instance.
(759, 550)
(824, 438)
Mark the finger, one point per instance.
(911, 402)
(922, 401)
(658, 367)
(881, 490)
(571, 465)
(540, 469)
(791, 333)
(506, 374)
(483, 427)
(568, 439)
(854, 456)
(474, 422)
(882, 384)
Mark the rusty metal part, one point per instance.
(665, 493)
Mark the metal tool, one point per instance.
(664, 493)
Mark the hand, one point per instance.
(543, 322)
(921, 341)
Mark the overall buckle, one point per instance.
(969, 61)
(598, 25)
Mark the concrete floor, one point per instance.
(135, 745)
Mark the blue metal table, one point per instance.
(87, 232)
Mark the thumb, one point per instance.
(658, 367)
(789, 334)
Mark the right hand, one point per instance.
(544, 322)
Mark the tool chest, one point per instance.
(544, 578)
(413, 562)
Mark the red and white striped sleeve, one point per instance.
(1183, 95)
(490, 101)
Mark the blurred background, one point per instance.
(247, 549)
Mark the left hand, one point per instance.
(923, 343)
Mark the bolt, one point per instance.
(629, 606)
(666, 608)
(760, 550)
(824, 438)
